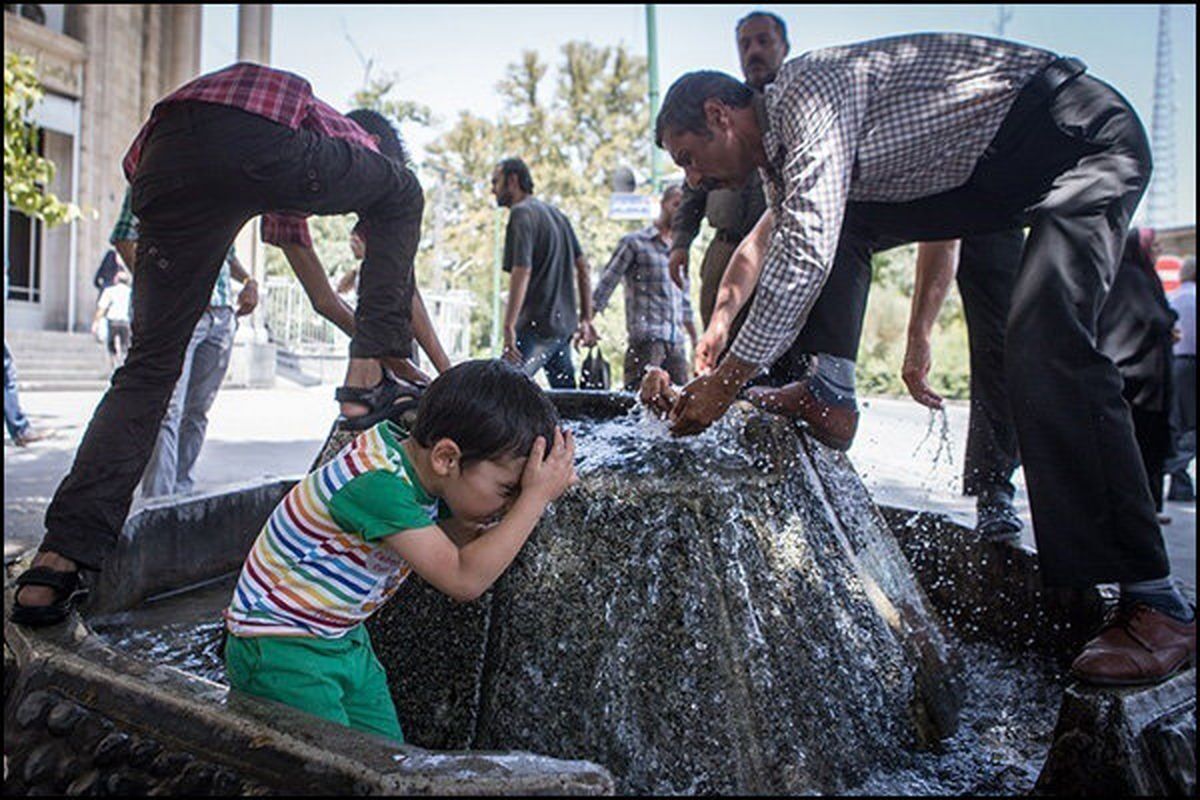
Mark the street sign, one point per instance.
(623, 205)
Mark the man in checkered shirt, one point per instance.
(228, 146)
(936, 136)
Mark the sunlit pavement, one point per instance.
(903, 452)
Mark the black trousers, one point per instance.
(205, 171)
(1070, 161)
(987, 272)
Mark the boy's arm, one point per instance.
(464, 573)
(307, 266)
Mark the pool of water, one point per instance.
(1007, 718)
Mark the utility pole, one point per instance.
(1003, 15)
(1160, 205)
(652, 59)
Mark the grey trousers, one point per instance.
(181, 434)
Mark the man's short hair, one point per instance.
(778, 20)
(1187, 271)
(489, 408)
(671, 189)
(376, 124)
(683, 107)
(515, 166)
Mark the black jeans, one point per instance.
(1071, 162)
(987, 271)
(205, 171)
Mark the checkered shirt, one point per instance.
(888, 120)
(655, 308)
(279, 96)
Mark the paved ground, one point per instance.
(906, 455)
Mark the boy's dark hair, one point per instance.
(515, 166)
(683, 107)
(489, 408)
(376, 124)
(779, 23)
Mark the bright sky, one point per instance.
(451, 57)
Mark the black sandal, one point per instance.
(380, 400)
(67, 594)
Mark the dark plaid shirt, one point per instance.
(655, 308)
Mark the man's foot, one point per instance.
(46, 590)
(1181, 489)
(996, 519)
(832, 426)
(31, 435)
(1137, 645)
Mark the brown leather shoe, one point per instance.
(832, 426)
(1137, 645)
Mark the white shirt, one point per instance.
(115, 302)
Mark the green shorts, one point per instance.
(338, 679)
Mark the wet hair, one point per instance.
(489, 408)
(515, 166)
(683, 108)
(376, 124)
(779, 23)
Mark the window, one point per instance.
(25, 251)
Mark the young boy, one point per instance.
(486, 446)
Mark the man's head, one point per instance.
(762, 46)
(707, 125)
(383, 132)
(1187, 272)
(479, 420)
(511, 181)
(672, 196)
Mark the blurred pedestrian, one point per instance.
(113, 309)
(1183, 301)
(657, 312)
(546, 266)
(19, 427)
(106, 273)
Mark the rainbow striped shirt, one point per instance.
(318, 567)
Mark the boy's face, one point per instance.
(484, 490)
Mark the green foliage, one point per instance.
(26, 174)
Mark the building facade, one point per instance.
(102, 67)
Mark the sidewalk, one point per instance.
(902, 452)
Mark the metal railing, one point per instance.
(296, 327)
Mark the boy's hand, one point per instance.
(547, 477)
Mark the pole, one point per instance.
(496, 288)
(652, 59)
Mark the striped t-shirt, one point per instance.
(318, 567)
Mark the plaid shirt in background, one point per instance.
(126, 230)
(655, 308)
(275, 95)
(888, 120)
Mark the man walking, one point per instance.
(243, 141)
(1183, 300)
(657, 312)
(545, 264)
(938, 136)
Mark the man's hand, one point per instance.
(678, 264)
(705, 399)
(511, 353)
(585, 334)
(917, 362)
(709, 349)
(247, 299)
(657, 392)
(546, 477)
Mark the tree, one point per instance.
(26, 174)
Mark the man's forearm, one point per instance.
(238, 272)
(307, 266)
(685, 224)
(518, 283)
(583, 278)
(426, 334)
(936, 264)
(741, 276)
